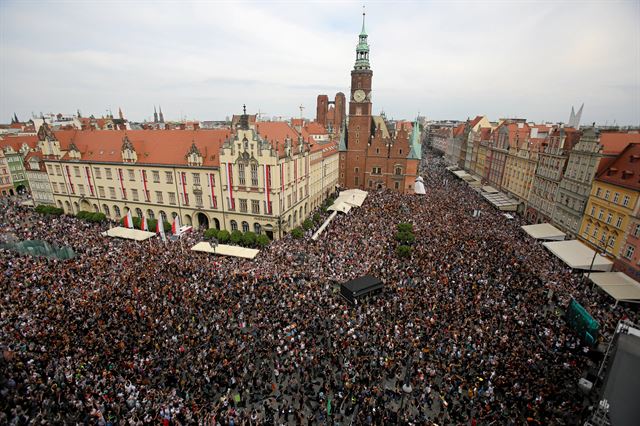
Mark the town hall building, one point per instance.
(372, 155)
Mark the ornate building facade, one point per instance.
(264, 177)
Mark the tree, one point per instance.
(406, 238)
(44, 209)
(307, 224)
(224, 236)
(403, 251)
(405, 227)
(249, 239)
(262, 241)
(211, 233)
(94, 217)
(317, 218)
(297, 233)
(236, 237)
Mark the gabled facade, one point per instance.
(15, 149)
(552, 161)
(6, 184)
(612, 208)
(593, 150)
(520, 169)
(506, 135)
(38, 178)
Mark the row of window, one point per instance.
(155, 175)
(609, 216)
(616, 197)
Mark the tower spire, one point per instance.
(362, 50)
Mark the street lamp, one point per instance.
(607, 243)
(280, 222)
(213, 243)
(406, 385)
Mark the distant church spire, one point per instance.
(574, 118)
(161, 116)
(155, 114)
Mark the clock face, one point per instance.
(359, 95)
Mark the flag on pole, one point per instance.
(160, 229)
(175, 227)
(328, 406)
(144, 226)
(128, 220)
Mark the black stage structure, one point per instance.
(360, 288)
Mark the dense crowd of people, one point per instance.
(466, 331)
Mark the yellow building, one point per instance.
(614, 198)
(255, 177)
(479, 170)
(520, 168)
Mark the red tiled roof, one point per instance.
(458, 130)
(275, 132)
(315, 128)
(16, 142)
(615, 142)
(151, 146)
(475, 120)
(29, 156)
(625, 169)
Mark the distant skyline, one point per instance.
(204, 60)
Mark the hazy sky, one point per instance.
(203, 60)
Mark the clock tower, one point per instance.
(360, 122)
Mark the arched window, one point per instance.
(163, 216)
(245, 227)
(257, 228)
(174, 215)
(116, 211)
(150, 214)
(139, 213)
(105, 208)
(398, 170)
(234, 225)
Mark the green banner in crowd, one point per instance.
(40, 248)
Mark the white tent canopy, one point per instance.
(618, 285)
(226, 250)
(578, 256)
(418, 188)
(355, 197)
(544, 231)
(461, 174)
(475, 183)
(490, 189)
(342, 206)
(129, 234)
(501, 201)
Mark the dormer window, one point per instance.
(74, 152)
(129, 154)
(194, 157)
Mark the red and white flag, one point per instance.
(128, 220)
(175, 226)
(144, 226)
(160, 229)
